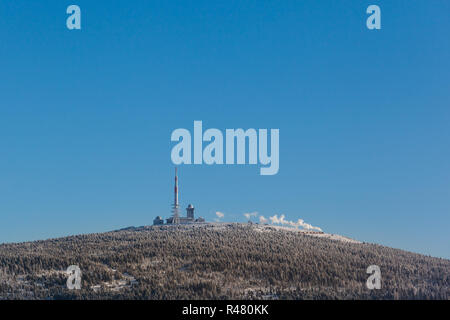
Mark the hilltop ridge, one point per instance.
(216, 261)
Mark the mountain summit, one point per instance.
(217, 261)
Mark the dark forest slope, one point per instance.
(215, 261)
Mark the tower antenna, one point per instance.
(176, 206)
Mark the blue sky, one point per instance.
(86, 116)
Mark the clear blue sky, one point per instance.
(86, 116)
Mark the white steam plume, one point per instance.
(220, 215)
(262, 219)
(299, 223)
(251, 214)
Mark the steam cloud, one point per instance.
(219, 215)
(251, 214)
(262, 219)
(299, 223)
